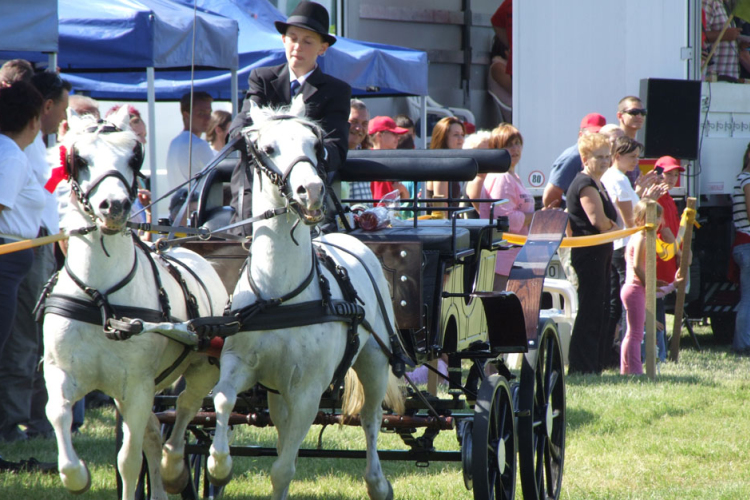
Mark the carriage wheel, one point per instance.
(200, 487)
(493, 457)
(541, 424)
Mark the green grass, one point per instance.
(685, 435)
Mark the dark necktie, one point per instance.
(295, 87)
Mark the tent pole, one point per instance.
(151, 95)
(423, 124)
(52, 61)
(235, 92)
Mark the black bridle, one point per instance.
(265, 166)
(74, 163)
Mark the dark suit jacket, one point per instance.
(327, 100)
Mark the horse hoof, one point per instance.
(220, 482)
(87, 486)
(178, 485)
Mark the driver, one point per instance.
(305, 37)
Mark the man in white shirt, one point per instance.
(21, 385)
(188, 154)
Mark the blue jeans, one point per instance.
(741, 254)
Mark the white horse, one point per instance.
(79, 357)
(299, 362)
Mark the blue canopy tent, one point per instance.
(371, 69)
(29, 30)
(105, 41)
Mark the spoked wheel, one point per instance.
(200, 486)
(493, 449)
(541, 422)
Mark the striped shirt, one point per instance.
(738, 200)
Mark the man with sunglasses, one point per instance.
(632, 116)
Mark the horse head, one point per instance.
(287, 149)
(102, 161)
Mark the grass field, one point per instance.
(686, 436)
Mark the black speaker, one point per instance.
(673, 120)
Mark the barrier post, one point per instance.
(651, 291)
(679, 306)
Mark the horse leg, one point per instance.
(372, 369)
(235, 376)
(61, 389)
(291, 431)
(199, 381)
(135, 411)
(152, 449)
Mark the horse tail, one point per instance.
(354, 397)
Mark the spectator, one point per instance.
(508, 186)
(188, 154)
(16, 70)
(218, 128)
(624, 159)
(82, 105)
(448, 133)
(359, 123)
(478, 140)
(666, 270)
(326, 98)
(404, 121)
(725, 59)
(634, 292)
(613, 131)
(569, 164)
(22, 208)
(563, 171)
(631, 115)
(384, 135)
(591, 212)
(501, 68)
(138, 126)
(741, 255)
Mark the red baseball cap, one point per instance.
(593, 122)
(385, 123)
(668, 164)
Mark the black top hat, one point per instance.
(310, 16)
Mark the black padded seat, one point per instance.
(435, 238)
(474, 226)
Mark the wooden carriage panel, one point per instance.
(227, 257)
(402, 266)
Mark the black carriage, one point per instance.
(441, 274)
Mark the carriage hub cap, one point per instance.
(501, 456)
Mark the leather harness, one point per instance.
(99, 311)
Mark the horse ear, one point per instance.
(120, 118)
(255, 113)
(298, 106)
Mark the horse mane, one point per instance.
(277, 113)
(80, 134)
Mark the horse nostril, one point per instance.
(126, 206)
(104, 206)
(301, 191)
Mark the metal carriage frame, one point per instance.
(441, 274)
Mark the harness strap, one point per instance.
(84, 310)
(171, 368)
(195, 276)
(163, 298)
(397, 355)
(279, 300)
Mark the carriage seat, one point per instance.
(434, 238)
(218, 217)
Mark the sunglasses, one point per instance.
(636, 111)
